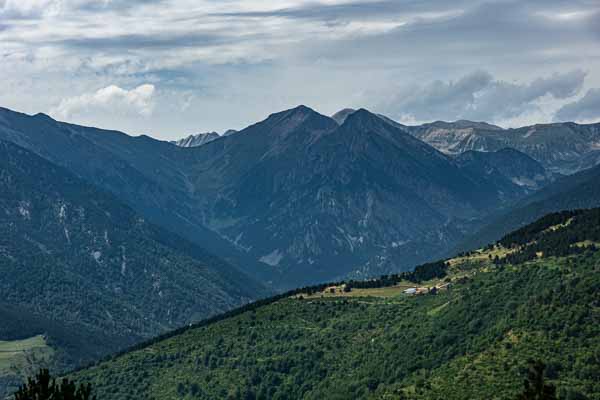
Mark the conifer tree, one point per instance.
(44, 387)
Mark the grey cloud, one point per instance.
(353, 10)
(586, 108)
(149, 41)
(116, 5)
(440, 99)
(479, 96)
(505, 32)
(314, 56)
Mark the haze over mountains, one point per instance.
(301, 197)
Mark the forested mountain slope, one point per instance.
(75, 259)
(147, 174)
(581, 190)
(466, 333)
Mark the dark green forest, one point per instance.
(474, 340)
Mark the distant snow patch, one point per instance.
(273, 259)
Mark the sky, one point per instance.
(169, 68)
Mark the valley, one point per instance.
(377, 341)
(366, 197)
(153, 237)
(299, 200)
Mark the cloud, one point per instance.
(258, 56)
(111, 99)
(585, 109)
(352, 10)
(480, 96)
(29, 8)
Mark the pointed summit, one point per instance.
(302, 109)
(294, 119)
(363, 119)
(297, 112)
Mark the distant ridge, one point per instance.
(298, 197)
(197, 139)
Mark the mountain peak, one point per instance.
(362, 117)
(301, 110)
(43, 117)
(297, 113)
(288, 121)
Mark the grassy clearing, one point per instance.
(17, 355)
(556, 227)
(481, 256)
(385, 292)
(459, 268)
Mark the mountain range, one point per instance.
(122, 238)
(197, 140)
(300, 197)
(311, 198)
(200, 139)
(563, 148)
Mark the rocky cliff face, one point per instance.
(561, 147)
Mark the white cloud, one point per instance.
(586, 109)
(480, 96)
(111, 99)
(30, 8)
(224, 64)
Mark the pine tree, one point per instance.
(43, 387)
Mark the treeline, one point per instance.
(532, 231)
(424, 272)
(537, 239)
(585, 226)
